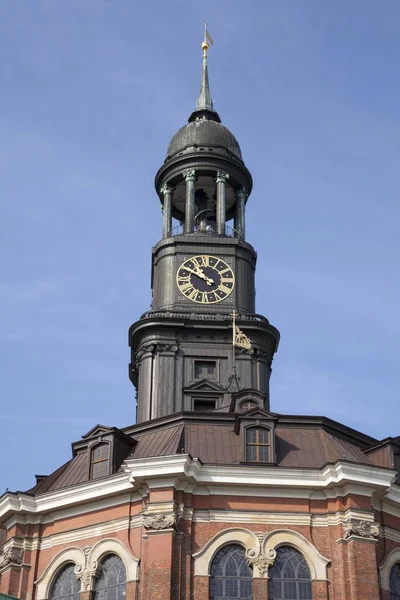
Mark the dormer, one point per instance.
(256, 428)
(204, 395)
(385, 453)
(105, 448)
(247, 399)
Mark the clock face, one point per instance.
(205, 279)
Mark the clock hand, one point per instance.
(200, 274)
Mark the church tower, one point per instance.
(203, 272)
(209, 495)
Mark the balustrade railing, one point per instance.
(169, 314)
(208, 230)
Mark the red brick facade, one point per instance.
(168, 558)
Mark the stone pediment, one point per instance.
(205, 385)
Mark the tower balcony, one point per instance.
(208, 229)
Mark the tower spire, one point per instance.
(204, 100)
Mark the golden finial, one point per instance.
(207, 39)
(204, 100)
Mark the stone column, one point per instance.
(190, 177)
(240, 225)
(221, 180)
(166, 190)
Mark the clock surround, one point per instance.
(205, 279)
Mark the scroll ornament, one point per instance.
(364, 529)
(154, 347)
(160, 521)
(11, 556)
(257, 558)
(87, 572)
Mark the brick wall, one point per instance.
(166, 564)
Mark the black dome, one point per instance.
(205, 133)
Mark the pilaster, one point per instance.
(359, 552)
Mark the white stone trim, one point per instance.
(83, 533)
(77, 557)
(244, 516)
(72, 511)
(85, 492)
(386, 567)
(284, 537)
(249, 540)
(390, 534)
(45, 581)
(183, 472)
(234, 535)
(278, 518)
(114, 546)
(340, 473)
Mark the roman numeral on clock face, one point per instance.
(192, 294)
(185, 287)
(224, 289)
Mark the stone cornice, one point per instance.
(186, 473)
(184, 468)
(19, 502)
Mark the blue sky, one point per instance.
(92, 91)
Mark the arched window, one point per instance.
(257, 444)
(395, 582)
(66, 586)
(99, 460)
(111, 583)
(231, 577)
(289, 577)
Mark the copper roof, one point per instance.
(305, 443)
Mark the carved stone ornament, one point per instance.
(11, 556)
(221, 177)
(166, 189)
(167, 347)
(256, 557)
(364, 529)
(154, 347)
(189, 175)
(161, 521)
(87, 572)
